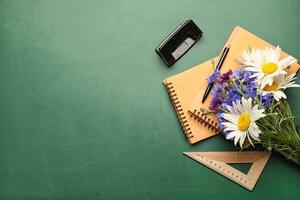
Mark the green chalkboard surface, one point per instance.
(83, 111)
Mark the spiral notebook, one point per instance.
(239, 40)
(187, 88)
(182, 89)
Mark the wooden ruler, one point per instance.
(217, 161)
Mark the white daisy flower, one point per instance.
(266, 64)
(280, 83)
(241, 121)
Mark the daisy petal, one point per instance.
(242, 139)
(231, 135)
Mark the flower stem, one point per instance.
(279, 131)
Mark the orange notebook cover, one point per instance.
(239, 40)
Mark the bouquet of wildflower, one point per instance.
(251, 104)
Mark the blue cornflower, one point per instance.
(247, 75)
(220, 119)
(234, 95)
(239, 72)
(242, 74)
(251, 90)
(212, 78)
(245, 82)
(225, 77)
(217, 89)
(266, 100)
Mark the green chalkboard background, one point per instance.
(84, 114)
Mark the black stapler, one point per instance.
(178, 42)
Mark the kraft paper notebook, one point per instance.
(182, 89)
(186, 89)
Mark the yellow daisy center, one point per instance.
(244, 122)
(272, 87)
(269, 68)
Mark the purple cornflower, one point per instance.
(225, 77)
(217, 96)
(212, 78)
(215, 103)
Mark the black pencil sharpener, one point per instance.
(178, 42)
